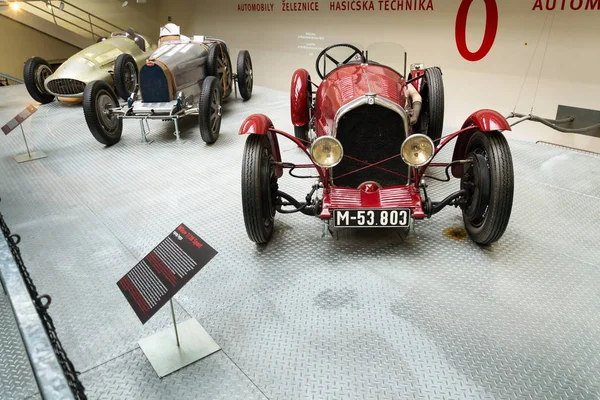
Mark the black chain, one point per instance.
(41, 305)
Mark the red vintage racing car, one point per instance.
(371, 133)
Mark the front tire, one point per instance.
(489, 179)
(209, 116)
(259, 188)
(35, 72)
(301, 132)
(431, 120)
(98, 98)
(245, 74)
(126, 76)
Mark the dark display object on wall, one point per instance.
(164, 271)
(96, 62)
(371, 135)
(184, 76)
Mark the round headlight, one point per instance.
(327, 151)
(417, 150)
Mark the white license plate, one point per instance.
(365, 218)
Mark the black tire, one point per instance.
(209, 116)
(219, 66)
(126, 75)
(301, 132)
(35, 72)
(490, 181)
(431, 120)
(97, 97)
(230, 81)
(259, 188)
(245, 74)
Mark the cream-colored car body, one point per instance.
(95, 63)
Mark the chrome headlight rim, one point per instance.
(412, 137)
(320, 140)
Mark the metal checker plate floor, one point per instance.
(364, 315)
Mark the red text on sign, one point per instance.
(491, 28)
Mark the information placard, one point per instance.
(16, 121)
(164, 271)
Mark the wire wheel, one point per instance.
(215, 110)
(130, 77)
(245, 74)
(219, 66)
(209, 110)
(126, 75)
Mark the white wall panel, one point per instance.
(568, 75)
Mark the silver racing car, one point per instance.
(115, 60)
(184, 76)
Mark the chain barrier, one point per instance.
(41, 304)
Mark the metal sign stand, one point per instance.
(192, 343)
(30, 156)
(153, 282)
(18, 121)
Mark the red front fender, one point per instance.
(299, 97)
(485, 121)
(256, 123)
(260, 124)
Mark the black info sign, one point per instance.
(165, 270)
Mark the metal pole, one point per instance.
(176, 129)
(174, 322)
(25, 139)
(53, 16)
(91, 26)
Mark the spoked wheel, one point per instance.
(98, 99)
(126, 75)
(245, 74)
(301, 132)
(35, 72)
(209, 116)
(229, 78)
(219, 66)
(259, 188)
(489, 179)
(431, 120)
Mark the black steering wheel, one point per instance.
(324, 55)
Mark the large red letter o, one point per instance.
(491, 28)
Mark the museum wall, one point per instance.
(141, 17)
(283, 40)
(19, 42)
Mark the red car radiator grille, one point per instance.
(370, 134)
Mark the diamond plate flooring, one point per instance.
(16, 378)
(362, 315)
